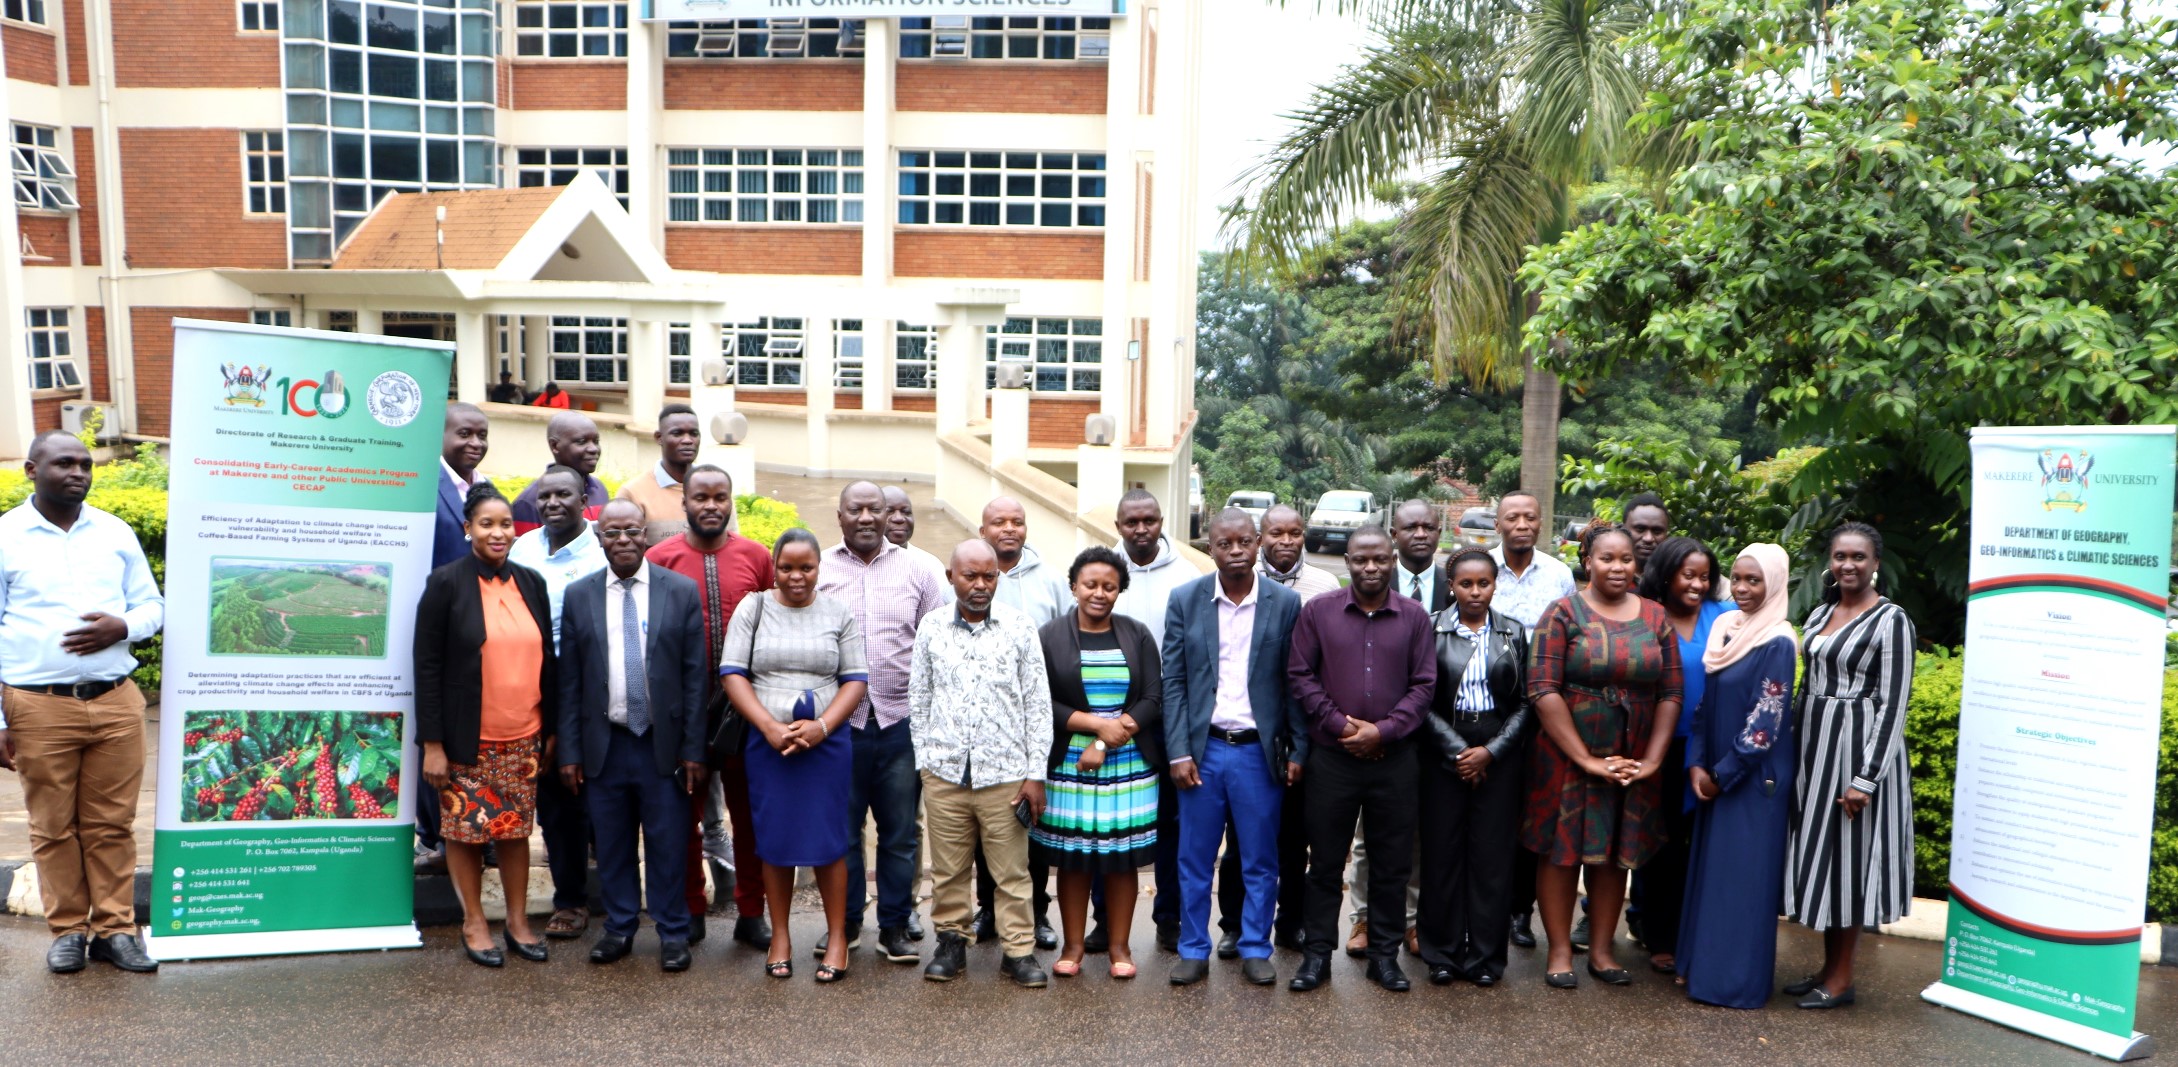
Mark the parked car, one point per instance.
(1477, 529)
(1252, 502)
(1574, 528)
(1194, 504)
(1338, 513)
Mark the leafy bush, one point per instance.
(764, 519)
(1932, 749)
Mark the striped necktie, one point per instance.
(631, 641)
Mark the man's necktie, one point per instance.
(1417, 590)
(631, 640)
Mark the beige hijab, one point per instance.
(1737, 633)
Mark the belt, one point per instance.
(1233, 737)
(75, 690)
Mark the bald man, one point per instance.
(981, 703)
(1029, 586)
(574, 443)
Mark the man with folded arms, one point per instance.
(75, 592)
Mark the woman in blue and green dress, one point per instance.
(1100, 797)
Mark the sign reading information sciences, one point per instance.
(2059, 721)
(699, 10)
(305, 478)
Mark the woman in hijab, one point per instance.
(1740, 761)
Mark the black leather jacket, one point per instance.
(1501, 730)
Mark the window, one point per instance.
(915, 351)
(763, 185)
(52, 362)
(1046, 189)
(765, 352)
(680, 354)
(43, 179)
(1068, 353)
(389, 96)
(264, 173)
(260, 16)
(272, 317)
(765, 39)
(570, 29)
(1006, 37)
(27, 11)
(591, 351)
(535, 167)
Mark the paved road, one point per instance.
(420, 1006)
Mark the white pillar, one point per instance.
(1009, 424)
(16, 427)
(879, 188)
(646, 90)
(960, 379)
(1100, 479)
(817, 386)
(370, 321)
(472, 349)
(646, 374)
(536, 352)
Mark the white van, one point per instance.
(1338, 513)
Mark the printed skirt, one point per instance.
(1102, 821)
(495, 798)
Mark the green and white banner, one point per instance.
(305, 478)
(2058, 728)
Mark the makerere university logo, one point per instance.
(246, 385)
(393, 399)
(2064, 480)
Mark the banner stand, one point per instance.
(2064, 1032)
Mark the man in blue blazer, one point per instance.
(632, 692)
(1234, 736)
(467, 438)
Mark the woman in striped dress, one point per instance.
(1850, 861)
(1100, 797)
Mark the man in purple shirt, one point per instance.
(1363, 667)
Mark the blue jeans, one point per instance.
(884, 782)
(1236, 787)
(627, 798)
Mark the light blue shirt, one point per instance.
(577, 558)
(50, 577)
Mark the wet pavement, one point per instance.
(430, 1005)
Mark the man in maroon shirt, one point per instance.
(726, 567)
(1361, 704)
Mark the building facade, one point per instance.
(838, 208)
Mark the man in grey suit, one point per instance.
(1234, 736)
(632, 690)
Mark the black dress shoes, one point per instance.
(487, 957)
(534, 952)
(1098, 942)
(1025, 972)
(986, 926)
(1189, 972)
(696, 931)
(1442, 975)
(915, 927)
(1523, 929)
(1486, 979)
(895, 946)
(673, 956)
(1315, 971)
(751, 930)
(1047, 938)
(610, 949)
(1561, 980)
(1804, 986)
(122, 951)
(1819, 999)
(1228, 945)
(1610, 975)
(68, 953)
(1258, 971)
(950, 959)
(1386, 973)
(1168, 937)
(1292, 939)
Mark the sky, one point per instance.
(1259, 62)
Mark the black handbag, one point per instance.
(729, 733)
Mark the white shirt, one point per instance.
(575, 559)
(466, 484)
(616, 644)
(1429, 584)
(1236, 638)
(49, 577)
(1526, 597)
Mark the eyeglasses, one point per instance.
(635, 534)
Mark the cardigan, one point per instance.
(1061, 639)
(449, 655)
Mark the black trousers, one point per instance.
(564, 818)
(1470, 839)
(1292, 869)
(1341, 789)
(1659, 886)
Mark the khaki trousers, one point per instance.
(82, 764)
(955, 818)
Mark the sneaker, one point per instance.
(718, 848)
(1024, 971)
(824, 941)
(915, 926)
(950, 961)
(895, 946)
(1579, 937)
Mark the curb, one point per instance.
(436, 902)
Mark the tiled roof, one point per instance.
(482, 226)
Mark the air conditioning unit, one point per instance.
(1013, 374)
(729, 427)
(73, 417)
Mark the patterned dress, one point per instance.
(1612, 675)
(1102, 821)
(1858, 871)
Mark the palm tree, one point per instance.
(1507, 108)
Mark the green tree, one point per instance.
(1245, 457)
(1905, 219)
(1510, 107)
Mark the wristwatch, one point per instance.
(1098, 744)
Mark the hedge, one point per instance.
(1932, 748)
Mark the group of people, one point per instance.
(1461, 742)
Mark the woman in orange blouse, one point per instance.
(484, 716)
